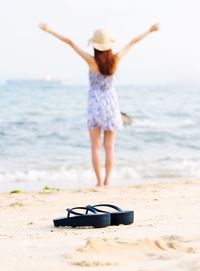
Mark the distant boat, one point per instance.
(47, 77)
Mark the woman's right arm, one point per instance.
(87, 57)
(135, 40)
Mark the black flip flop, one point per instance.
(117, 218)
(83, 220)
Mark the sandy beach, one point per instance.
(164, 236)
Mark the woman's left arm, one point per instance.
(135, 40)
(87, 57)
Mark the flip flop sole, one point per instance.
(125, 218)
(96, 221)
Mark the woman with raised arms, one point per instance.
(103, 112)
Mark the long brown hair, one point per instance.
(106, 61)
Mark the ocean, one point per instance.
(44, 138)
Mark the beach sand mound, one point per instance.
(109, 251)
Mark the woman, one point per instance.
(103, 109)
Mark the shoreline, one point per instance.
(40, 186)
(164, 236)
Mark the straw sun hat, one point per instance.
(101, 40)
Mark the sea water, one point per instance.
(44, 138)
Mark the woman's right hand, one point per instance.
(44, 27)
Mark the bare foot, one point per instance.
(99, 184)
(106, 183)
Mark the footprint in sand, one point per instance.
(16, 204)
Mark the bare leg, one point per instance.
(109, 144)
(95, 138)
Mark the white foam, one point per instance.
(82, 176)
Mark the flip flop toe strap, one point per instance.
(104, 205)
(87, 209)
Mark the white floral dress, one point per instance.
(103, 107)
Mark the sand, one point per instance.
(165, 235)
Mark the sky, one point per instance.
(171, 55)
